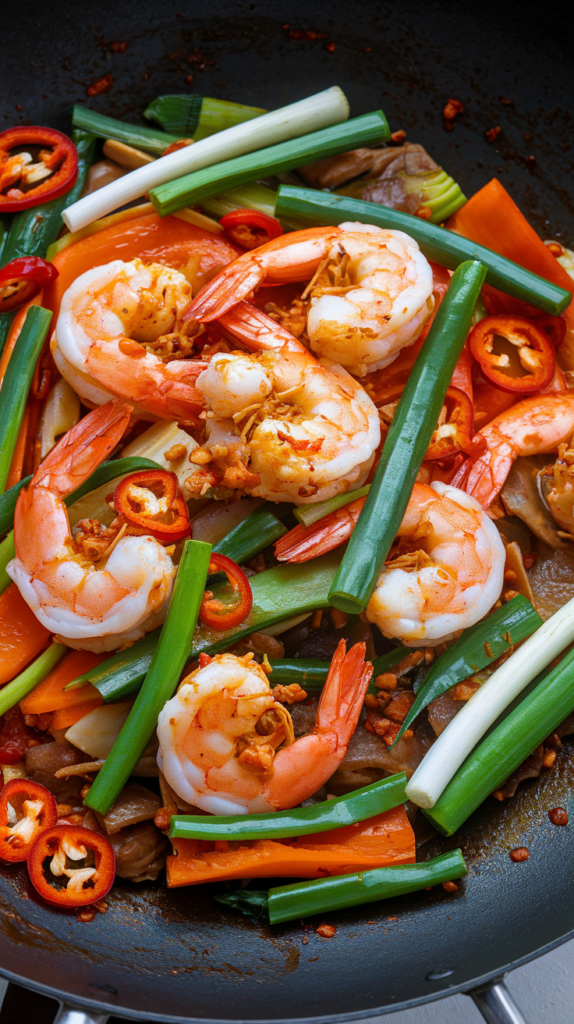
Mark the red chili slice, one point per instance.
(456, 433)
(250, 228)
(535, 353)
(213, 612)
(26, 180)
(71, 866)
(26, 809)
(161, 512)
(553, 326)
(22, 279)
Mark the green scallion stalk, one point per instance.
(33, 230)
(248, 538)
(474, 650)
(7, 553)
(195, 117)
(17, 381)
(191, 188)
(253, 197)
(33, 674)
(500, 754)
(150, 139)
(309, 514)
(407, 441)
(307, 206)
(288, 902)
(301, 821)
(166, 666)
(311, 673)
(438, 194)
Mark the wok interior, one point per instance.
(176, 954)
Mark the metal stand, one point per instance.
(496, 1004)
(67, 1015)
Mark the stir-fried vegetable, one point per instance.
(535, 356)
(151, 501)
(29, 678)
(25, 182)
(250, 228)
(218, 614)
(196, 117)
(82, 856)
(22, 279)
(34, 809)
(151, 139)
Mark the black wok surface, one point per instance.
(176, 955)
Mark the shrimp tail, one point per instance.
(306, 542)
(257, 330)
(344, 692)
(488, 473)
(226, 289)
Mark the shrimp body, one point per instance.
(227, 746)
(120, 333)
(305, 430)
(90, 605)
(445, 576)
(369, 297)
(534, 426)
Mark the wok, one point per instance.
(177, 955)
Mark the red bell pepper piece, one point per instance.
(26, 809)
(250, 228)
(22, 279)
(535, 353)
(27, 179)
(83, 857)
(213, 613)
(150, 500)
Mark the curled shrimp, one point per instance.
(90, 603)
(227, 746)
(534, 426)
(280, 424)
(445, 575)
(370, 292)
(120, 333)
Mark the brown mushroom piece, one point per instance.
(140, 851)
(134, 804)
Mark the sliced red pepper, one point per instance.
(455, 434)
(71, 866)
(216, 615)
(22, 279)
(250, 228)
(535, 353)
(151, 501)
(26, 809)
(27, 179)
(553, 326)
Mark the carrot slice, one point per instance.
(66, 717)
(21, 635)
(385, 839)
(50, 695)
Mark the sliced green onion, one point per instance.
(309, 514)
(311, 673)
(409, 436)
(253, 197)
(166, 666)
(17, 381)
(248, 538)
(7, 553)
(33, 674)
(274, 159)
(301, 821)
(461, 735)
(500, 754)
(319, 111)
(8, 504)
(474, 650)
(196, 117)
(307, 206)
(150, 139)
(288, 902)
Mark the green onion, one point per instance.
(436, 191)
(33, 674)
(500, 754)
(278, 594)
(150, 139)
(248, 538)
(16, 383)
(309, 514)
(445, 247)
(311, 673)
(8, 504)
(474, 650)
(461, 735)
(33, 230)
(196, 117)
(240, 170)
(287, 902)
(407, 441)
(166, 666)
(7, 553)
(301, 821)
(254, 197)
(325, 108)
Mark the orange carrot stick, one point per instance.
(66, 717)
(17, 465)
(21, 635)
(50, 695)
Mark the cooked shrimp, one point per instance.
(534, 426)
(120, 333)
(445, 576)
(280, 424)
(98, 605)
(370, 293)
(227, 746)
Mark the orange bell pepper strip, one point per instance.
(21, 635)
(66, 717)
(385, 839)
(50, 695)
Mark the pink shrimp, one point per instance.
(227, 746)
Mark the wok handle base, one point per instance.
(496, 1004)
(68, 1015)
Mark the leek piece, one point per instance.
(253, 197)
(33, 674)
(150, 139)
(325, 108)
(251, 536)
(461, 735)
(195, 117)
(309, 514)
(16, 383)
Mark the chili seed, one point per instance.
(450, 886)
(558, 816)
(519, 854)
